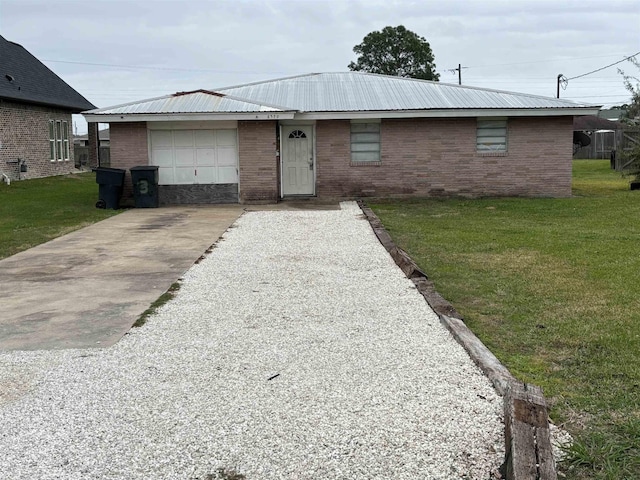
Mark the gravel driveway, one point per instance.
(296, 349)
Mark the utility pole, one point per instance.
(459, 70)
(558, 85)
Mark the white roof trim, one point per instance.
(453, 113)
(172, 117)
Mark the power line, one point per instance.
(538, 61)
(599, 96)
(564, 81)
(140, 67)
(599, 69)
(137, 67)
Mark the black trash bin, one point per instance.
(110, 181)
(145, 186)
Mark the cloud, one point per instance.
(162, 46)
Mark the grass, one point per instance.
(161, 300)
(35, 211)
(552, 287)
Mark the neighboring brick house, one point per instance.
(346, 135)
(83, 140)
(35, 116)
(82, 151)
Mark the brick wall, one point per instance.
(257, 147)
(419, 157)
(92, 145)
(128, 149)
(24, 134)
(437, 157)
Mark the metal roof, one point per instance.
(343, 94)
(24, 78)
(358, 91)
(198, 101)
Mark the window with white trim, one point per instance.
(365, 142)
(65, 139)
(58, 140)
(491, 135)
(52, 141)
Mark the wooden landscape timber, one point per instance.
(528, 447)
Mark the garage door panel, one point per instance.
(183, 138)
(205, 138)
(184, 175)
(227, 175)
(206, 175)
(226, 137)
(162, 157)
(166, 176)
(206, 156)
(161, 138)
(227, 156)
(185, 156)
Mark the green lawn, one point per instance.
(35, 211)
(552, 287)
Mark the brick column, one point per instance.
(94, 143)
(129, 148)
(258, 162)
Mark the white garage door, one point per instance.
(195, 156)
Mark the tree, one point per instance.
(631, 157)
(633, 110)
(395, 51)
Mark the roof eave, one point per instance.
(288, 115)
(72, 109)
(451, 113)
(172, 117)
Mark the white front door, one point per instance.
(298, 165)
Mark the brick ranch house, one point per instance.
(346, 135)
(35, 117)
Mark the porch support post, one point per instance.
(94, 145)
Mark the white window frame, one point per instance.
(59, 140)
(52, 140)
(365, 141)
(59, 148)
(492, 135)
(65, 140)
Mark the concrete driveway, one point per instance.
(87, 288)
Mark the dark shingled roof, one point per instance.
(23, 78)
(591, 122)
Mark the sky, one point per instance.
(119, 51)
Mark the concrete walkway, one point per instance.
(87, 288)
